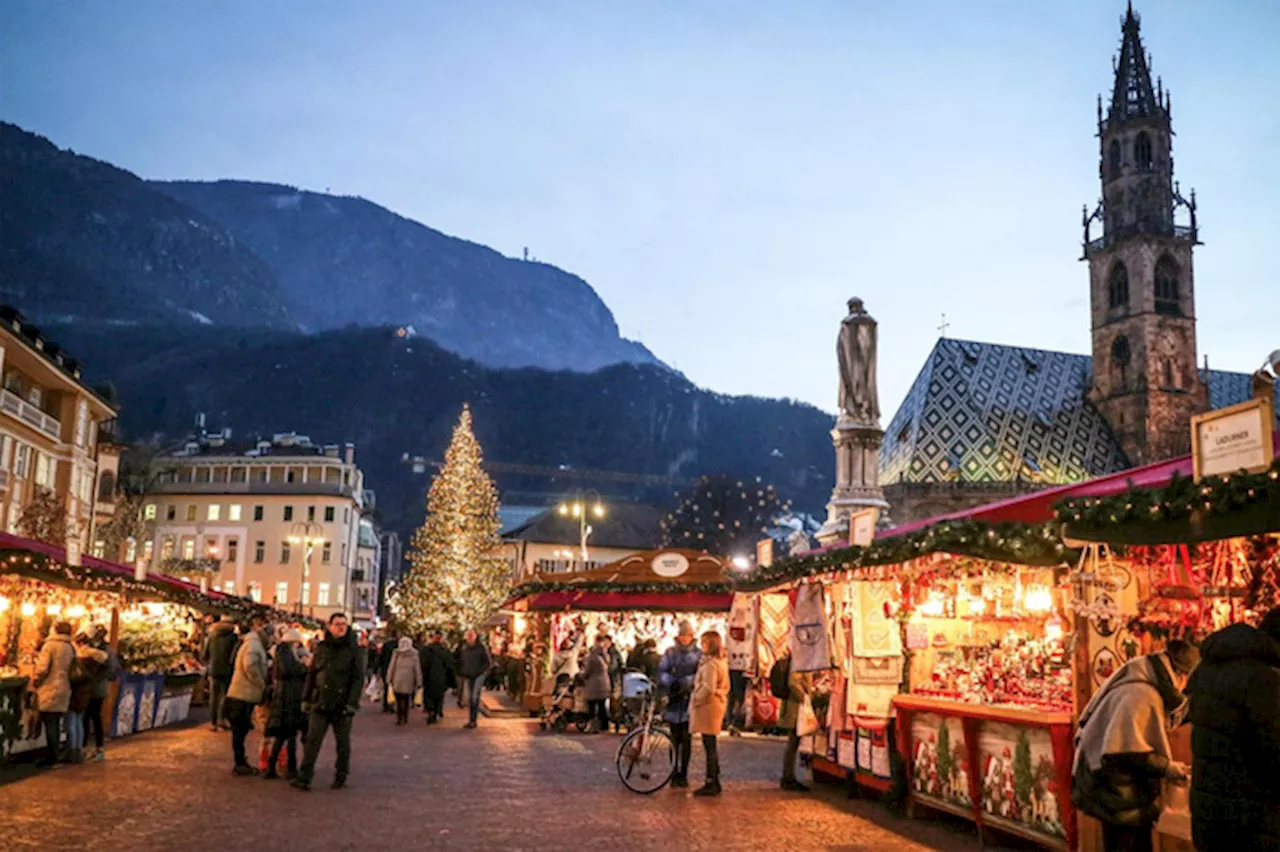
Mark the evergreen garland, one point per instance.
(534, 588)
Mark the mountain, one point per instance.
(347, 260)
(80, 237)
(392, 396)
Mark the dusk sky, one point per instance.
(725, 174)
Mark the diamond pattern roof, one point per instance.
(990, 413)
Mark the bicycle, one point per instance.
(646, 759)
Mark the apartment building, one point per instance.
(55, 434)
(276, 519)
(366, 577)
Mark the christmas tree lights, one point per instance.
(457, 577)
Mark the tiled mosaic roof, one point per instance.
(990, 413)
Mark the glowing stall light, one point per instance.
(1038, 599)
(4, 603)
(935, 606)
(28, 609)
(53, 609)
(741, 563)
(75, 611)
(1053, 628)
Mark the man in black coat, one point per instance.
(220, 656)
(1235, 739)
(333, 693)
(438, 674)
(384, 664)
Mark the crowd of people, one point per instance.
(72, 679)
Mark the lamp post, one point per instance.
(578, 507)
(308, 534)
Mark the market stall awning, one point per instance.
(672, 580)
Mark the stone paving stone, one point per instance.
(505, 785)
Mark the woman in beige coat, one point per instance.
(52, 682)
(707, 706)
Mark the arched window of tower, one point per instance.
(1167, 287)
(1118, 289)
(1120, 364)
(1113, 160)
(1142, 151)
(1168, 374)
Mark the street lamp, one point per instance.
(579, 508)
(308, 534)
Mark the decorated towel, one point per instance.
(870, 700)
(874, 633)
(743, 623)
(878, 670)
(840, 623)
(774, 629)
(810, 650)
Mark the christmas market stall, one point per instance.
(642, 596)
(948, 644)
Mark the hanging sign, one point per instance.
(1233, 438)
(764, 553)
(670, 564)
(862, 527)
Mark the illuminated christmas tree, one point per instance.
(457, 576)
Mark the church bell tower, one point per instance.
(1142, 298)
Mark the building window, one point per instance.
(229, 587)
(257, 513)
(149, 512)
(328, 514)
(215, 512)
(344, 553)
(284, 553)
(311, 514)
(326, 553)
(322, 594)
(21, 458)
(288, 513)
(82, 424)
(35, 396)
(1142, 151)
(259, 552)
(233, 549)
(188, 548)
(191, 513)
(99, 549)
(282, 592)
(306, 593)
(346, 515)
(106, 487)
(255, 591)
(1120, 363)
(44, 471)
(1167, 287)
(147, 550)
(288, 476)
(1118, 289)
(166, 548)
(171, 512)
(233, 512)
(1113, 160)
(211, 548)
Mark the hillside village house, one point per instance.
(277, 520)
(55, 434)
(551, 542)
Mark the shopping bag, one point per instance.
(807, 720)
(373, 691)
(1175, 815)
(763, 708)
(264, 754)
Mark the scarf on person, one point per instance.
(1131, 714)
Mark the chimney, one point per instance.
(349, 453)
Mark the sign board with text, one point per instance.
(862, 527)
(764, 552)
(1231, 439)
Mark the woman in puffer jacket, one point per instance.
(404, 676)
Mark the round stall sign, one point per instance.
(670, 564)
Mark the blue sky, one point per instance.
(725, 174)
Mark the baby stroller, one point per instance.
(636, 689)
(563, 708)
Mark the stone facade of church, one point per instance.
(984, 421)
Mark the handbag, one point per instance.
(1175, 812)
(806, 720)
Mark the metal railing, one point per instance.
(1178, 232)
(25, 411)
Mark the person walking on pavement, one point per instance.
(676, 674)
(474, 663)
(333, 692)
(52, 683)
(799, 685)
(220, 655)
(405, 676)
(595, 686)
(286, 719)
(438, 675)
(248, 685)
(1235, 739)
(1122, 746)
(707, 706)
(384, 664)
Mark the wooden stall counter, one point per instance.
(1006, 768)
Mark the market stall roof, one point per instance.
(662, 579)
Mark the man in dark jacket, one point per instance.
(333, 692)
(220, 656)
(438, 673)
(474, 663)
(384, 664)
(1235, 739)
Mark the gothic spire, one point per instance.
(1133, 96)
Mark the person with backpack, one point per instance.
(219, 659)
(88, 664)
(791, 688)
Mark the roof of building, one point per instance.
(32, 338)
(983, 412)
(625, 525)
(221, 445)
(512, 517)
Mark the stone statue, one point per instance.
(856, 352)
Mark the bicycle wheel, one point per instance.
(646, 760)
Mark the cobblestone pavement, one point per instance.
(504, 786)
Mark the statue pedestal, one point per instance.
(857, 487)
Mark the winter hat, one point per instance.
(406, 644)
(291, 635)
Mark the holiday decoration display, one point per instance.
(723, 515)
(456, 578)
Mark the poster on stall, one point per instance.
(743, 623)
(1018, 775)
(810, 650)
(939, 765)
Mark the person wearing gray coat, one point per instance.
(596, 684)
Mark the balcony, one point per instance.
(175, 567)
(1183, 233)
(29, 414)
(334, 489)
